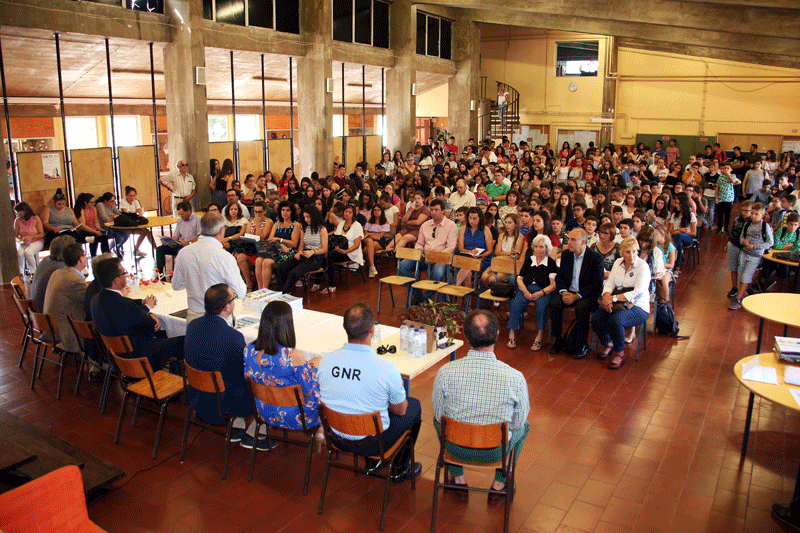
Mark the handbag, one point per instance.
(337, 241)
(619, 306)
(503, 289)
(126, 220)
(269, 250)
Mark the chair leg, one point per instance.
(386, 493)
(35, 363)
(380, 290)
(253, 451)
(104, 392)
(26, 338)
(80, 373)
(436, 495)
(41, 361)
(308, 462)
(61, 373)
(228, 429)
(161, 418)
(136, 411)
(186, 432)
(324, 481)
(121, 416)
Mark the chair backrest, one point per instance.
(43, 322)
(441, 258)
(23, 306)
(136, 368)
(473, 435)
(467, 263)
(204, 380)
(18, 286)
(504, 265)
(368, 424)
(118, 345)
(290, 396)
(83, 330)
(408, 253)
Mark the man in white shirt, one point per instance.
(488, 157)
(181, 184)
(205, 263)
(461, 197)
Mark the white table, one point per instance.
(318, 334)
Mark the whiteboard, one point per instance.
(793, 146)
(580, 136)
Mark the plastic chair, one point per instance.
(411, 254)
(211, 382)
(464, 262)
(44, 323)
(291, 396)
(53, 502)
(434, 258)
(160, 387)
(501, 265)
(474, 436)
(368, 424)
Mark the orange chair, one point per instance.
(53, 502)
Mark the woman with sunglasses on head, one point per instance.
(310, 254)
(222, 182)
(89, 228)
(258, 225)
(57, 219)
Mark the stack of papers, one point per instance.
(255, 302)
(751, 371)
(788, 349)
(791, 375)
(246, 321)
(251, 237)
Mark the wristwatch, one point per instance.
(614, 299)
(281, 240)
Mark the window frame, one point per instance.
(371, 24)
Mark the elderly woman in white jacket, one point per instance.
(625, 302)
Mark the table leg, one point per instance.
(453, 355)
(785, 331)
(407, 386)
(747, 424)
(760, 332)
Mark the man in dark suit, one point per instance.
(579, 283)
(214, 346)
(115, 315)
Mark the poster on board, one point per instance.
(51, 165)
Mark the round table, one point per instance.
(791, 264)
(775, 393)
(152, 222)
(781, 307)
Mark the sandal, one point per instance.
(511, 344)
(630, 339)
(605, 352)
(615, 365)
(537, 345)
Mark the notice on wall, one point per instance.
(791, 146)
(51, 167)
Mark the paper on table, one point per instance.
(763, 374)
(795, 395)
(791, 375)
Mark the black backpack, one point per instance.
(665, 320)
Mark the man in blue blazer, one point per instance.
(579, 284)
(114, 315)
(213, 345)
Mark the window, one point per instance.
(127, 131)
(217, 128)
(434, 36)
(577, 58)
(247, 128)
(81, 132)
(338, 130)
(279, 15)
(152, 6)
(361, 21)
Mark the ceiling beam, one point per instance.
(771, 4)
(735, 44)
(361, 54)
(87, 18)
(252, 39)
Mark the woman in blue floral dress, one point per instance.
(272, 359)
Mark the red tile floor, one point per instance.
(652, 447)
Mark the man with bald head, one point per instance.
(579, 283)
(461, 197)
(181, 184)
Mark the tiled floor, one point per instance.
(652, 447)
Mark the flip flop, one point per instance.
(511, 344)
(537, 345)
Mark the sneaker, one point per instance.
(733, 292)
(373, 271)
(262, 444)
(331, 288)
(407, 473)
(735, 304)
(238, 433)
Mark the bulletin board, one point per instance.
(92, 171)
(577, 136)
(355, 152)
(221, 151)
(374, 151)
(137, 168)
(280, 156)
(35, 189)
(251, 158)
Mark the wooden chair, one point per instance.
(88, 339)
(25, 307)
(368, 424)
(19, 287)
(435, 258)
(211, 382)
(401, 281)
(44, 323)
(500, 265)
(342, 268)
(464, 262)
(53, 502)
(320, 274)
(160, 387)
(474, 436)
(291, 396)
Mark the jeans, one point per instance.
(610, 327)
(501, 112)
(520, 303)
(489, 455)
(712, 208)
(681, 241)
(290, 271)
(724, 215)
(407, 268)
(161, 255)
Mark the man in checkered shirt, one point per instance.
(479, 389)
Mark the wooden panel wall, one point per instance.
(251, 158)
(92, 171)
(374, 151)
(221, 151)
(137, 168)
(743, 140)
(35, 189)
(280, 156)
(337, 150)
(355, 152)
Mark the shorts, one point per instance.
(383, 241)
(748, 264)
(733, 257)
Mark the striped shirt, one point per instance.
(479, 389)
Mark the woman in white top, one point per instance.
(627, 286)
(376, 235)
(130, 204)
(660, 277)
(509, 244)
(387, 164)
(630, 206)
(562, 170)
(350, 228)
(426, 160)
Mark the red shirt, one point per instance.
(452, 148)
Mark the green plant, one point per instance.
(438, 314)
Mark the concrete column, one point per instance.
(401, 111)
(187, 112)
(9, 267)
(609, 89)
(314, 103)
(463, 89)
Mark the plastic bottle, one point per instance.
(423, 341)
(403, 337)
(418, 350)
(376, 336)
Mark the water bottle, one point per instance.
(418, 342)
(135, 288)
(423, 341)
(404, 337)
(376, 337)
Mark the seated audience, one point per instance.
(606, 246)
(261, 226)
(89, 228)
(376, 236)
(475, 240)
(47, 266)
(660, 277)
(310, 254)
(187, 231)
(353, 231)
(130, 204)
(107, 211)
(65, 295)
(58, 219)
(235, 224)
(509, 244)
(536, 284)
(29, 234)
(410, 224)
(285, 235)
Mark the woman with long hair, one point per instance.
(222, 182)
(565, 150)
(563, 210)
(660, 211)
(283, 183)
(29, 234)
(606, 246)
(512, 203)
(376, 238)
(410, 223)
(646, 201)
(107, 211)
(509, 244)
(474, 240)
(286, 235)
(293, 191)
(260, 225)
(89, 227)
(630, 206)
(682, 226)
(310, 254)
